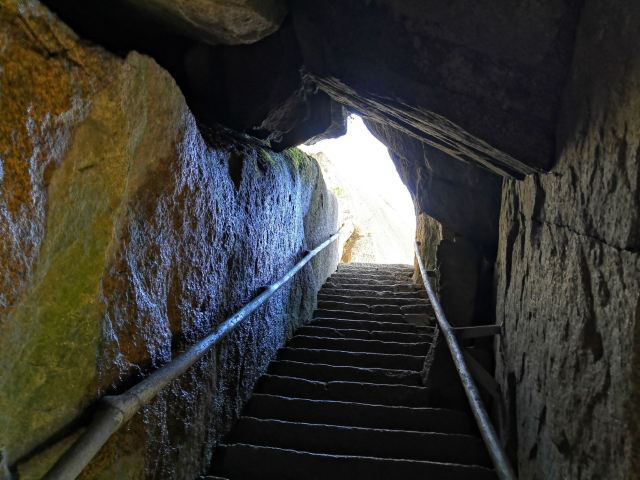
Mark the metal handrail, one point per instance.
(118, 409)
(496, 452)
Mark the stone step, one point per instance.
(345, 398)
(343, 306)
(399, 275)
(326, 373)
(353, 359)
(375, 266)
(370, 393)
(374, 271)
(370, 277)
(404, 275)
(375, 293)
(366, 282)
(379, 286)
(366, 442)
(327, 332)
(421, 319)
(373, 325)
(358, 345)
(421, 307)
(390, 317)
(358, 315)
(251, 462)
(351, 298)
(423, 419)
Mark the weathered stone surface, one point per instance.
(256, 89)
(338, 126)
(40, 102)
(568, 271)
(461, 196)
(126, 237)
(219, 21)
(429, 234)
(464, 272)
(480, 81)
(458, 206)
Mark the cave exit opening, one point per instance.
(374, 204)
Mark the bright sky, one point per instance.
(363, 167)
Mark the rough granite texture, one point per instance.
(481, 80)
(429, 234)
(568, 271)
(219, 21)
(463, 197)
(256, 89)
(457, 206)
(125, 236)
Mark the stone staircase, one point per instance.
(345, 400)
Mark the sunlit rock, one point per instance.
(219, 21)
(126, 236)
(373, 202)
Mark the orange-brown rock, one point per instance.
(126, 236)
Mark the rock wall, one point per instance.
(237, 63)
(218, 21)
(125, 236)
(458, 207)
(568, 271)
(481, 80)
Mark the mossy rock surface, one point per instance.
(125, 240)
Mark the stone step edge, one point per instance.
(368, 369)
(257, 396)
(359, 458)
(358, 299)
(403, 355)
(462, 436)
(363, 341)
(346, 334)
(368, 384)
(380, 325)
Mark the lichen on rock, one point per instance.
(128, 237)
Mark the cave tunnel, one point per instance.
(163, 197)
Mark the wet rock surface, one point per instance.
(42, 101)
(126, 236)
(568, 271)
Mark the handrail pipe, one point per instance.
(496, 452)
(116, 410)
